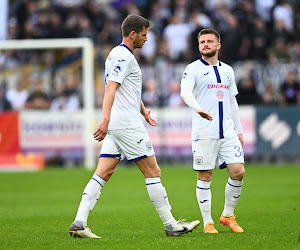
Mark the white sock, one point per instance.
(232, 194)
(203, 194)
(89, 198)
(159, 198)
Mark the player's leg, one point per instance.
(231, 152)
(204, 163)
(109, 159)
(157, 193)
(233, 187)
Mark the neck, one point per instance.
(211, 60)
(128, 42)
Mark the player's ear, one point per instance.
(219, 46)
(132, 34)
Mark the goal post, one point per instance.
(87, 78)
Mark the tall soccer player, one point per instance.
(209, 88)
(124, 134)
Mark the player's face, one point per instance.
(208, 45)
(140, 38)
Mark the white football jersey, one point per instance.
(122, 67)
(212, 87)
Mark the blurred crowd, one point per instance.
(260, 39)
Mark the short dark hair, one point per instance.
(210, 31)
(134, 23)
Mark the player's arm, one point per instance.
(146, 113)
(186, 93)
(109, 97)
(236, 118)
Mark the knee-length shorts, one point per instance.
(208, 153)
(134, 144)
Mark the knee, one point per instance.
(239, 173)
(152, 172)
(105, 175)
(204, 175)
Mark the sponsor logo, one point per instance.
(275, 131)
(122, 60)
(236, 196)
(184, 75)
(217, 86)
(140, 141)
(198, 160)
(203, 201)
(206, 74)
(220, 94)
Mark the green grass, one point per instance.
(37, 208)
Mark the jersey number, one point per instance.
(238, 153)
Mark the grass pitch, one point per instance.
(37, 208)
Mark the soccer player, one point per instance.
(209, 88)
(124, 134)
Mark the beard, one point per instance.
(138, 45)
(209, 54)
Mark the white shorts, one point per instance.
(211, 152)
(134, 144)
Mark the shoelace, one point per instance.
(233, 220)
(182, 221)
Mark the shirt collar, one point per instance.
(122, 44)
(204, 62)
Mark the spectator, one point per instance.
(283, 12)
(86, 29)
(18, 96)
(176, 36)
(67, 96)
(38, 99)
(174, 99)
(151, 96)
(260, 40)
(290, 91)
(4, 103)
(269, 97)
(247, 92)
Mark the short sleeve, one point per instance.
(120, 68)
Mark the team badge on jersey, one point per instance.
(227, 76)
(198, 160)
(148, 145)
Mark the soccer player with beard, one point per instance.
(124, 134)
(208, 86)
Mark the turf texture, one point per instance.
(37, 208)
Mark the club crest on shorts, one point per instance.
(198, 160)
(148, 145)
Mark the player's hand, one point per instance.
(204, 114)
(148, 118)
(101, 131)
(241, 138)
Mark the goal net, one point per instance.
(82, 66)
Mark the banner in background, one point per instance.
(248, 121)
(278, 131)
(62, 133)
(9, 133)
(51, 130)
(172, 136)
